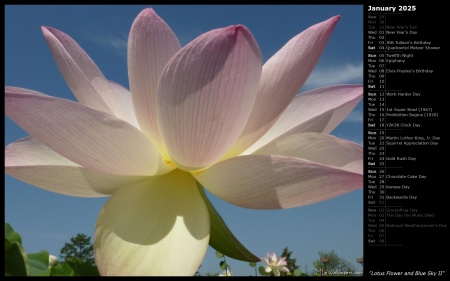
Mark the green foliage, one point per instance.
(253, 264)
(223, 264)
(262, 270)
(334, 264)
(16, 259)
(79, 250)
(63, 269)
(84, 269)
(75, 269)
(297, 272)
(11, 235)
(39, 264)
(291, 262)
(19, 263)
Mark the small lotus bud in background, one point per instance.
(52, 261)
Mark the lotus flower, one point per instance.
(274, 264)
(206, 115)
(52, 261)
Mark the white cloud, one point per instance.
(343, 74)
(118, 44)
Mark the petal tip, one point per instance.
(332, 21)
(45, 29)
(234, 30)
(52, 32)
(147, 12)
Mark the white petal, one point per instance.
(85, 79)
(319, 110)
(82, 75)
(282, 77)
(151, 44)
(88, 137)
(205, 95)
(124, 102)
(265, 260)
(160, 227)
(34, 163)
(320, 148)
(276, 182)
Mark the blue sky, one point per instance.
(47, 220)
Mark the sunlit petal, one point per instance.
(124, 109)
(276, 182)
(206, 94)
(88, 137)
(320, 148)
(34, 163)
(82, 75)
(151, 44)
(282, 77)
(319, 110)
(159, 227)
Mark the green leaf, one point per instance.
(62, 269)
(219, 254)
(252, 264)
(262, 270)
(297, 272)
(223, 265)
(39, 264)
(16, 260)
(221, 238)
(11, 235)
(84, 269)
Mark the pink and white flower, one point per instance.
(275, 265)
(206, 115)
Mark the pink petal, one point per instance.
(88, 137)
(276, 182)
(34, 163)
(320, 148)
(151, 44)
(282, 77)
(319, 110)
(205, 95)
(81, 74)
